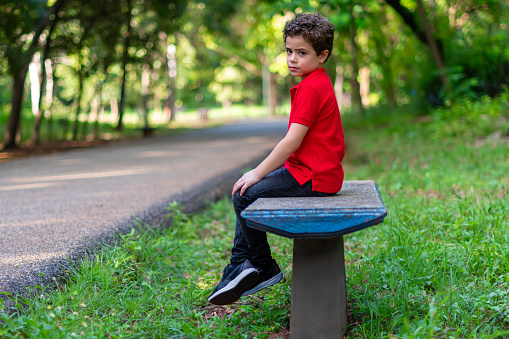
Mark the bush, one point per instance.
(470, 119)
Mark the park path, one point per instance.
(56, 207)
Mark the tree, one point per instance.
(255, 47)
(461, 64)
(38, 119)
(356, 88)
(125, 60)
(22, 25)
(151, 20)
(117, 51)
(435, 52)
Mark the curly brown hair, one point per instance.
(314, 28)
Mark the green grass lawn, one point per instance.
(438, 267)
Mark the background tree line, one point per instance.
(78, 59)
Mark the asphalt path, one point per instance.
(54, 209)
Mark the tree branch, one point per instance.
(408, 18)
(42, 26)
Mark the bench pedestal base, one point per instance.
(318, 289)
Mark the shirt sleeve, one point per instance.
(306, 106)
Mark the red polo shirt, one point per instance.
(319, 156)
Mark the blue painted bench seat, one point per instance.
(357, 206)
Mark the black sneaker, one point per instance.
(268, 277)
(237, 278)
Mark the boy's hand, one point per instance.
(248, 179)
(276, 158)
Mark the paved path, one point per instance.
(55, 207)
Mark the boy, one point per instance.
(305, 163)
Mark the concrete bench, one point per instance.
(317, 226)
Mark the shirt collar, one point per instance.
(315, 73)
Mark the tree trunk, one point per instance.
(13, 126)
(34, 74)
(122, 97)
(125, 59)
(338, 88)
(364, 85)
(113, 110)
(390, 89)
(437, 56)
(82, 72)
(95, 110)
(34, 139)
(408, 18)
(78, 106)
(172, 98)
(355, 65)
(84, 126)
(384, 44)
(273, 94)
(169, 104)
(145, 81)
(266, 83)
(38, 119)
(172, 72)
(50, 93)
(226, 107)
(18, 80)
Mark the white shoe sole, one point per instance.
(267, 283)
(234, 289)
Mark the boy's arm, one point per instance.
(276, 158)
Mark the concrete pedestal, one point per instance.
(318, 289)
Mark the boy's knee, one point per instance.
(240, 202)
(237, 200)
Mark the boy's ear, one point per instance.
(323, 56)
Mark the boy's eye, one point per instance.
(288, 51)
(302, 53)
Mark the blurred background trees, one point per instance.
(71, 64)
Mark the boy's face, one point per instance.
(301, 58)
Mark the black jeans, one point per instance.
(250, 243)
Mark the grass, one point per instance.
(154, 284)
(438, 267)
(236, 111)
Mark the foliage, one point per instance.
(477, 58)
(473, 119)
(17, 31)
(437, 266)
(232, 52)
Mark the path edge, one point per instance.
(48, 272)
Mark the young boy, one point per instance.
(305, 163)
